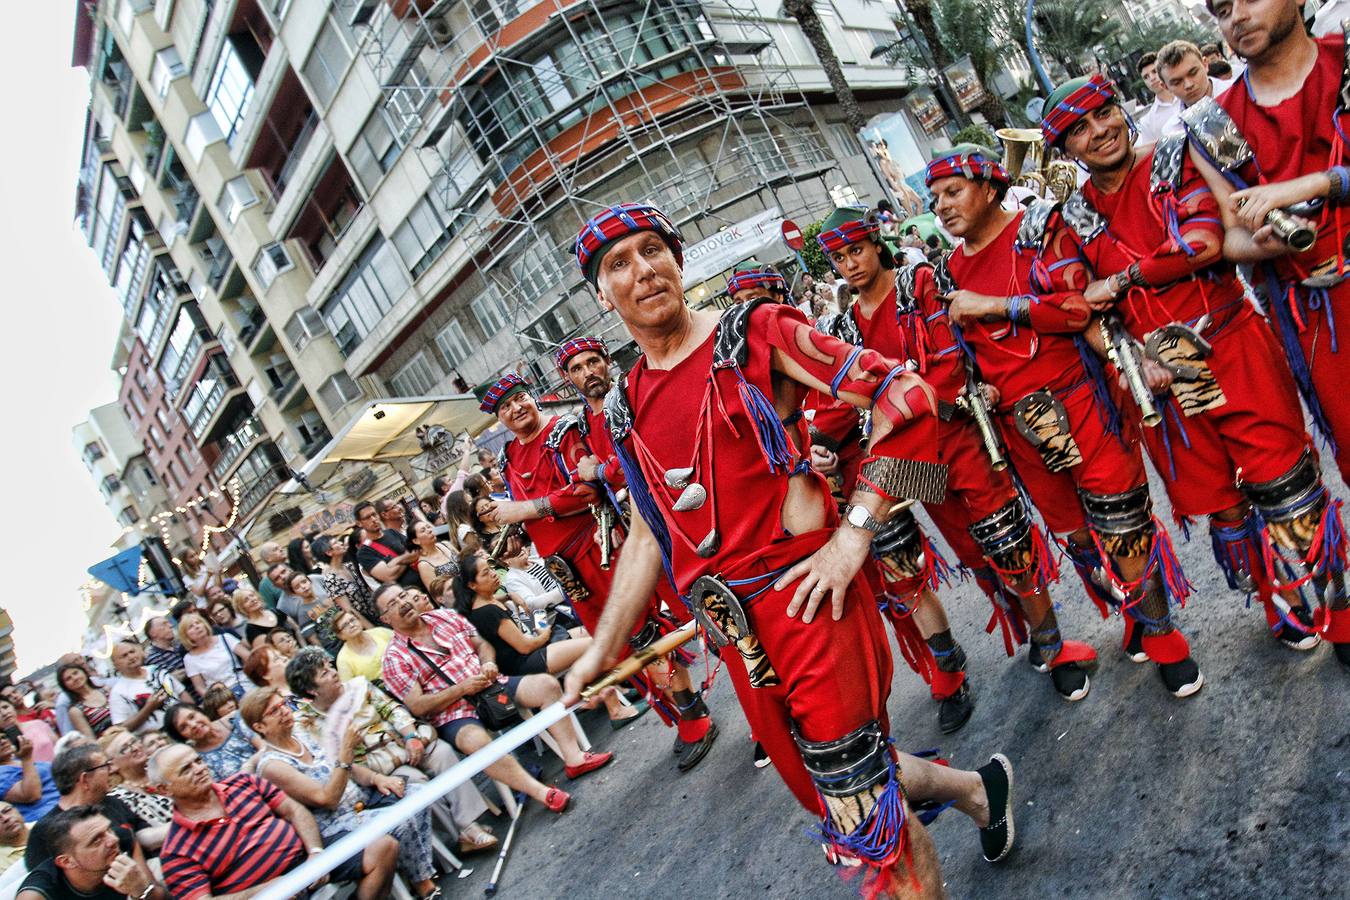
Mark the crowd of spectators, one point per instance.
(258, 720)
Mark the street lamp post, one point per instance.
(1036, 64)
(930, 64)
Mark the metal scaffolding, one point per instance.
(531, 117)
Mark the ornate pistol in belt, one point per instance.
(604, 524)
(973, 403)
(1122, 350)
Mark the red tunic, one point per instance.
(925, 337)
(533, 471)
(835, 675)
(1258, 433)
(1016, 359)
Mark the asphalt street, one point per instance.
(1238, 792)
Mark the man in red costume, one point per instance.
(899, 313)
(538, 464)
(729, 506)
(1277, 138)
(585, 362)
(1081, 469)
(1231, 429)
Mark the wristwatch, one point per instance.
(859, 517)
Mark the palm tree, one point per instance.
(804, 11)
(1072, 28)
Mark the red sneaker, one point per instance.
(589, 763)
(557, 799)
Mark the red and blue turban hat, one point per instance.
(571, 348)
(603, 229)
(1071, 101)
(506, 386)
(967, 161)
(750, 275)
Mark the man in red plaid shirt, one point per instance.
(436, 663)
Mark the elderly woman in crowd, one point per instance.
(362, 648)
(154, 741)
(211, 658)
(392, 741)
(127, 756)
(337, 790)
(223, 745)
(258, 619)
(25, 783)
(89, 712)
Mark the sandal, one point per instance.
(477, 843)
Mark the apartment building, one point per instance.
(307, 204)
(116, 462)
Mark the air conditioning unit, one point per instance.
(362, 12)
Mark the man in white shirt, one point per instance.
(136, 700)
(1183, 70)
(1163, 116)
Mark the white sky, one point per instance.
(59, 323)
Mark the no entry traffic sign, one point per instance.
(792, 235)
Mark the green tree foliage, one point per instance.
(1068, 31)
(812, 255)
(976, 134)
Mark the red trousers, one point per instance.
(974, 489)
(835, 676)
(1257, 434)
(1330, 371)
(1108, 467)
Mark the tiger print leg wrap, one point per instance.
(1303, 532)
(1124, 526)
(859, 785)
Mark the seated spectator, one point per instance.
(344, 584)
(332, 787)
(234, 836)
(13, 836)
(224, 745)
(224, 620)
(258, 619)
(383, 554)
(437, 661)
(314, 613)
(26, 784)
(280, 576)
(485, 530)
(392, 741)
(126, 752)
(362, 648)
(154, 741)
(211, 658)
(37, 732)
(458, 519)
(266, 667)
(526, 588)
(269, 554)
(17, 695)
(137, 698)
(283, 642)
(82, 775)
(219, 702)
(199, 574)
(88, 708)
(86, 860)
(61, 706)
(163, 653)
(436, 558)
(431, 509)
(518, 651)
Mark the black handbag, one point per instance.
(493, 706)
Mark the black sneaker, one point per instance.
(1301, 639)
(1182, 678)
(680, 746)
(996, 838)
(761, 756)
(694, 752)
(955, 710)
(1072, 681)
(1034, 657)
(1134, 650)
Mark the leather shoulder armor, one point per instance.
(731, 345)
(1083, 220)
(1031, 233)
(618, 412)
(558, 433)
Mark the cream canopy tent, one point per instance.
(384, 432)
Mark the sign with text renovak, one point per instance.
(722, 250)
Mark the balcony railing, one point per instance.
(297, 151)
(234, 445)
(208, 409)
(255, 493)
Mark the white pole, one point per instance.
(389, 818)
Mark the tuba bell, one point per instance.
(1029, 163)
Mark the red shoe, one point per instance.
(589, 763)
(557, 799)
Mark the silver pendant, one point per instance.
(679, 478)
(692, 497)
(709, 545)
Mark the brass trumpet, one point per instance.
(1122, 351)
(1024, 148)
